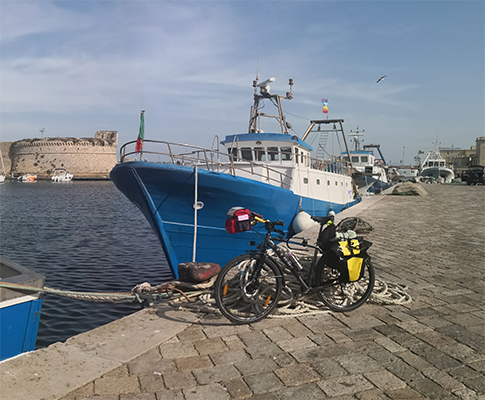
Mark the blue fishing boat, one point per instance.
(19, 309)
(185, 191)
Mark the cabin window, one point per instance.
(336, 183)
(355, 158)
(232, 151)
(364, 159)
(246, 153)
(260, 154)
(346, 158)
(286, 153)
(442, 163)
(305, 180)
(318, 181)
(273, 154)
(328, 183)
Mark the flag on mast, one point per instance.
(141, 134)
(325, 106)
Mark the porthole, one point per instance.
(305, 180)
(318, 181)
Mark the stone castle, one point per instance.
(89, 158)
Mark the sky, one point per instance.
(76, 67)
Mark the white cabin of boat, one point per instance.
(288, 157)
(434, 163)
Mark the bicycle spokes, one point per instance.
(248, 289)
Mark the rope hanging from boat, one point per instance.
(195, 215)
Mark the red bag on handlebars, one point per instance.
(238, 220)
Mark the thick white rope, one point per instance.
(292, 305)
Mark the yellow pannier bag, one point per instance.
(350, 249)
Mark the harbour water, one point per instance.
(83, 236)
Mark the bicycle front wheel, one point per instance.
(245, 295)
(340, 295)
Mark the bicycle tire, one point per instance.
(344, 296)
(240, 302)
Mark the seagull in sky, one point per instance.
(381, 78)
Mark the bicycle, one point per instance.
(249, 286)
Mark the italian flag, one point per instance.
(141, 134)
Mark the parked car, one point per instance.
(473, 175)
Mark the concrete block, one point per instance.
(212, 392)
(109, 385)
(297, 374)
(50, 373)
(345, 385)
(262, 383)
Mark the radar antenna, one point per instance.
(264, 93)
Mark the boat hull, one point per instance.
(438, 172)
(166, 194)
(19, 311)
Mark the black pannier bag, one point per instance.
(325, 237)
(238, 220)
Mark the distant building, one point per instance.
(461, 159)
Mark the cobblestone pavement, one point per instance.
(431, 348)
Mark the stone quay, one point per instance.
(430, 348)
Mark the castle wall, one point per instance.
(83, 157)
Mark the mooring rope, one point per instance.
(88, 296)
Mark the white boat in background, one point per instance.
(62, 175)
(404, 174)
(2, 175)
(27, 178)
(370, 173)
(434, 166)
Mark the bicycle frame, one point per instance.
(307, 287)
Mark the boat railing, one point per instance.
(212, 160)
(216, 161)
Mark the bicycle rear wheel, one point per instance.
(344, 296)
(244, 296)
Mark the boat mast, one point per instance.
(256, 114)
(355, 137)
(324, 122)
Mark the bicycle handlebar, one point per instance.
(269, 225)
